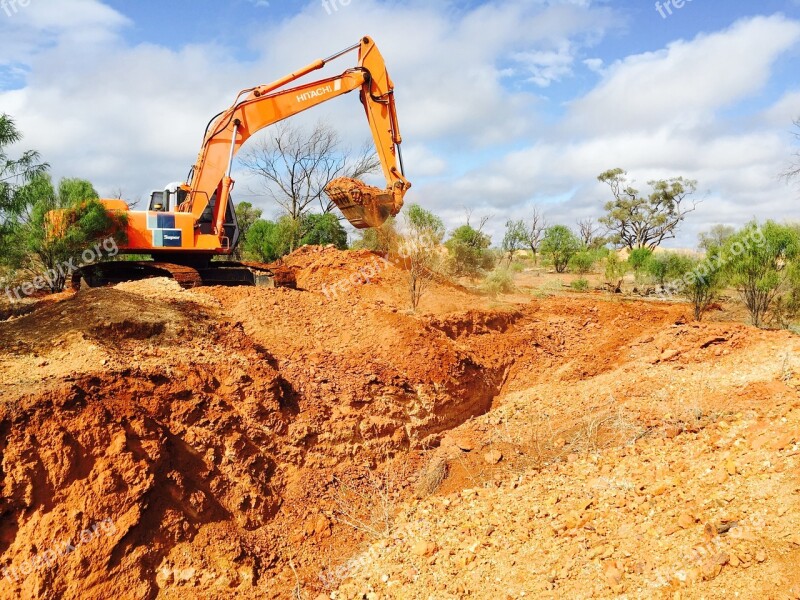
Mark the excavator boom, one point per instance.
(259, 107)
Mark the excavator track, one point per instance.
(112, 273)
(223, 273)
(249, 273)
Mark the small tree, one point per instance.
(295, 165)
(534, 231)
(761, 263)
(43, 242)
(635, 221)
(324, 229)
(246, 215)
(701, 283)
(14, 173)
(514, 239)
(560, 245)
(424, 224)
(469, 254)
(420, 248)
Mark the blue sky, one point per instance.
(504, 105)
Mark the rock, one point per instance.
(493, 457)
(668, 354)
(685, 520)
(423, 548)
(465, 445)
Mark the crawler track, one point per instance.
(217, 273)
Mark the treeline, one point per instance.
(760, 261)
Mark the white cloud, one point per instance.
(658, 115)
(471, 84)
(134, 116)
(689, 80)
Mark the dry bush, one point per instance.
(432, 476)
(600, 427)
(370, 503)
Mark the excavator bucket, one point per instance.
(363, 205)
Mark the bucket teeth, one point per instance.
(363, 205)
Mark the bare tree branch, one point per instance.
(296, 165)
(534, 232)
(589, 232)
(794, 170)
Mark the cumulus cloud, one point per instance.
(472, 88)
(688, 81)
(662, 114)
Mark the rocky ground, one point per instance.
(326, 442)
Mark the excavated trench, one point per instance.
(210, 437)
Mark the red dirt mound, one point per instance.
(242, 442)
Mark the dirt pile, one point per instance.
(709, 514)
(246, 442)
(207, 432)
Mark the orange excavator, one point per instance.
(188, 224)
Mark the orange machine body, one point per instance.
(200, 218)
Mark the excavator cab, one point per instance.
(168, 199)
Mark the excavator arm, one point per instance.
(257, 108)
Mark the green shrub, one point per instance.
(615, 271)
(559, 246)
(322, 230)
(468, 252)
(583, 262)
(381, 240)
(580, 285)
(667, 266)
(701, 285)
(761, 262)
(638, 259)
(498, 281)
